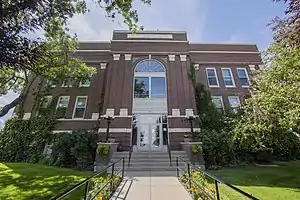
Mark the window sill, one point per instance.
(230, 86)
(214, 86)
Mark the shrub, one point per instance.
(103, 150)
(76, 149)
(216, 147)
(25, 140)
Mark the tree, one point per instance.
(287, 30)
(274, 107)
(23, 58)
(56, 65)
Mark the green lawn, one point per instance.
(267, 183)
(31, 181)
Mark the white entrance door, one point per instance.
(150, 137)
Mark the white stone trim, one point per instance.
(115, 130)
(150, 35)
(261, 67)
(123, 112)
(171, 57)
(116, 56)
(183, 58)
(61, 131)
(196, 66)
(252, 67)
(235, 52)
(220, 62)
(127, 56)
(93, 50)
(148, 31)
(189, 112)
(95, 116)
(110, 112)
(182, 130)
(103, 65)
(154, 41)
(79, 119)
(27, 115)
(175, 112)
(150, 56)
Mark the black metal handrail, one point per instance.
(129, 156)
(169, 152)
(216, 180)
(87, 181)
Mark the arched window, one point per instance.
(149, 66)
(149, 80)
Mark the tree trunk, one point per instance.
(17, 100)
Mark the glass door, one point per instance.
(150, 137)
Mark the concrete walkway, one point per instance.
(151, 186)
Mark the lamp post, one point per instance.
(108, 120)
(190, 119)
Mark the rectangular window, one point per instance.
(67, 83)
(212, 77)
(141, 87)
(46, 101)
(234, 102)
(79, 108)
(228, 78)
(243, 76)
(86, 82)
(158, 87)
(218, 102)
(62, 106)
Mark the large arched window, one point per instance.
(149, 80)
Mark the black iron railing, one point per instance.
(130, 153)
(87, 181)
(216, 180)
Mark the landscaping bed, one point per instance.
(268, 183)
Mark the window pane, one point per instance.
(228, 81)
(234, 102)
(217, 101)
(158, 87)
(63, 101)
(244, 81)
(226, 72)
(212, 81)
(79, 113)
(211, 72)
(141, 87)
(149, 66)
(241, 73)
(81, 102)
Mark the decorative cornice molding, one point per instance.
(183, 58)
(127, 56)
(171, 57)
(103, 65)
(116, 56)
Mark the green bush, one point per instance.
(25, 140)
(76, 149)
(217, 147)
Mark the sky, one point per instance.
(206, 21)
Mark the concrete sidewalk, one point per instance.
(151, 186)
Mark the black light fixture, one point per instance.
(190, 119)
(108, 120)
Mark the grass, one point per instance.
(24, 181)
(267, 183)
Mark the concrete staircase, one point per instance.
(150, 161)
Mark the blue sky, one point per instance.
(207, 21)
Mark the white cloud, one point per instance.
(188, 16)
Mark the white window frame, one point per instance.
(234, 108)
(50, 83)
(59, 101)
(74, 108)
(246, 72)
(63, 85)
(232, 78)
(216, 76)
(219, 97)
(84, 85)
(47, 97)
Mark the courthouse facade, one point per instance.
(143, 81)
